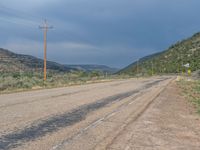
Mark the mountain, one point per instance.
(12, 62)
(171, 60)
(90, 68)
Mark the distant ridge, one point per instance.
(89, 68)
(170, 60)
(12, 62)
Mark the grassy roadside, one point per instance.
(10, 83)
(191, 90)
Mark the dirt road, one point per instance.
(111, 115)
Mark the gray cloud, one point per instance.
(112, 32)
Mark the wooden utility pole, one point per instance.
(137, 68)
(45, 27)
(152, 68)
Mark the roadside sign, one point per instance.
(187, 65)
(189, 72)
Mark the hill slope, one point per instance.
(12, 62)
(89, 68)
(170, 60)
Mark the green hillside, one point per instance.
(12, 62)
(170, 60)
(91, 68)
(21, 72)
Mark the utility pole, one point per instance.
(152, 68)
(45, 28)
(137, 67)
(180, 64)
(182, 68)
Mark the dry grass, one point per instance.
(191, 90)
(16, 82)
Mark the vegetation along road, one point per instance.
(127, 114)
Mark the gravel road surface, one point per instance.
(96, 116)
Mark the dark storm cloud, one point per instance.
(112, 32)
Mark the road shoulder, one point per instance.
(169, 123)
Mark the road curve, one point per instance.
(79, 117)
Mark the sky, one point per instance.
(109, 32)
